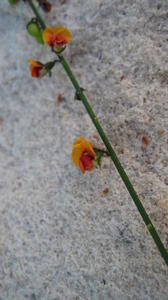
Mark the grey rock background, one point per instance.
(61, 237)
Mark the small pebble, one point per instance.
(160, 132)
(122, 77)
(106, 190)
(145, 140)
(59, 99)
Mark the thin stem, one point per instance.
(117, 163)
(110, 149)
(34, 9)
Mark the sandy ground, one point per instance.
(62, 237)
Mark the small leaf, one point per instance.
(145, 140)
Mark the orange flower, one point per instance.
(36, 68)
(83, 154)
(57, 37)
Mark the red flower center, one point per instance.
(58, 40)
(85, 161)
(36, 71)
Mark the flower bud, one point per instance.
(33, 29)
(38, 69)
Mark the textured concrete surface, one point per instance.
(61, 236)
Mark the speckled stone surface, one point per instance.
(61, 236)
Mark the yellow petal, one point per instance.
(47, 34)
(64, 32)
(78, 140)
(88, 147)
(31, 61)
(34, 63)
(76, 154)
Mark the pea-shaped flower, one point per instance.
(38, 70)
(57, 37)
(83, 155)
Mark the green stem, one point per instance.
(34, 9)
(110, 149)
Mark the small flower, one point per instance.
(36, 68)
(83, 155)
(57, 37)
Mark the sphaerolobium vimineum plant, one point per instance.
(84, 156)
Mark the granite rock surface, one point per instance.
(64, 236)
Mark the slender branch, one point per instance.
(43, 25)
(110, 149)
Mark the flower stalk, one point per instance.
(109, 148)
(34, 9)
